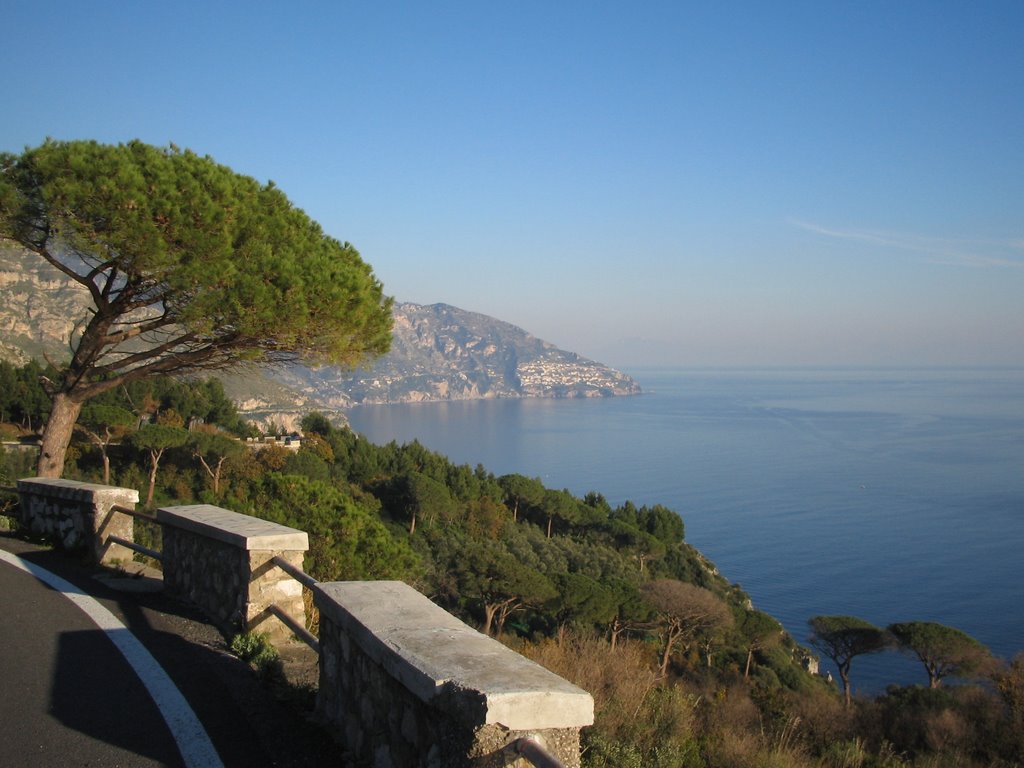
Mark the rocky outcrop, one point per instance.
(39, 307)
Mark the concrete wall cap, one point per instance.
(77, 490)
(242, 531)
(432, 653)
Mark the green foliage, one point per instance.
(561, 507)
(103, 424)
(213, 446)
(602, 752)
(213, 449)
(423, 496)
(316, 423)
(159, 437)
(759, 631)
(189, 266)
(348, 541)
(155, 439)
(522, 494)
(843, 638)
(14, 464)
(963, 724)
(658, 521)
(23, 400)
(196, 401)
(306, 463)
(254, 648)
(495, 582)
(944, 651)
(106, 418)
(582, 601)
(230, 253)
(8, 500)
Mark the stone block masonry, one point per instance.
(405, 683)
(221, 561)
(79, 516)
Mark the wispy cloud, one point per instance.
(960, 252)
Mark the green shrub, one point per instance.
(255, 649)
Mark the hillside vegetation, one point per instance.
(684, 670)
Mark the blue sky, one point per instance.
(786, 183)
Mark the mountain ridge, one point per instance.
(439, 352)
(442, 352)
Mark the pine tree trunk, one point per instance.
(672, 636)
(57, 435)
(216, 478)
(489, 611)
(154, 464)
(666, 657)
(511, 606)
(616, 629)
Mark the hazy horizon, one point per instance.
(671, 184)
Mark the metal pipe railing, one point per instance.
(300, 631)
(136, 547)
(305, 580)
(133, 512)
(533, 750)
(296, 573)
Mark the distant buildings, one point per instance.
(291, 442)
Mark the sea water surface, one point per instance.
(885, 494)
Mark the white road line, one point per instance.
(193, 743)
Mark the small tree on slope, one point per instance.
(944, 651)
(842, 638)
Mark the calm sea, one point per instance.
(889, 495)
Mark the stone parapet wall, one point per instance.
(79, 516)
(221, 561)
(405, 683)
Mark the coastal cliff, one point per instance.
(440, 352)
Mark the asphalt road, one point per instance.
(69, 696)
